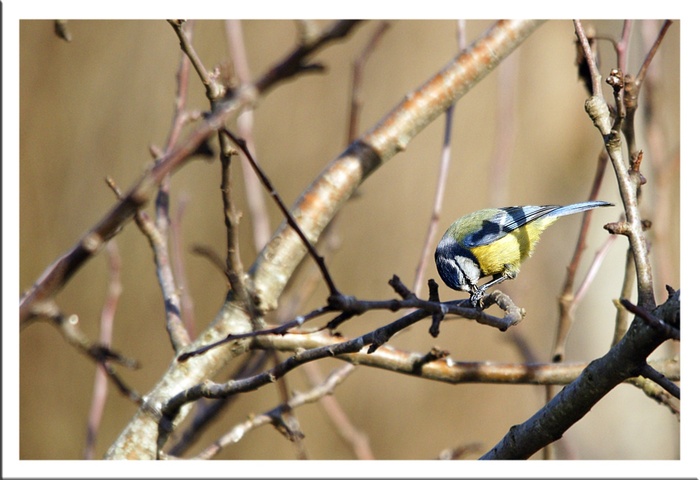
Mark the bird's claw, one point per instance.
(475, 299)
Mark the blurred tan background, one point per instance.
(92, 107)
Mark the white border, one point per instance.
(14, 10)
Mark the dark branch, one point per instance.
(241, 144)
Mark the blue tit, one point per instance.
(494, 242)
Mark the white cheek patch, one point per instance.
(469, 272)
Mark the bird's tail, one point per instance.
(578, 207)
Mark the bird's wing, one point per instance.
(503, 221)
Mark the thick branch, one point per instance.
(626, 359)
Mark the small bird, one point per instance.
(494, 242)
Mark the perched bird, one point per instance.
(494, 242)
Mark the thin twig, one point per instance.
(214, 88)
(500, 163)
(286, 421)
(641, 75)
(99, 396)
(290, 219)
(664, 164)
(445, 369)
(234, 266)
(254, 192)
(622, 45)
(568, 300)
(187, 311)
(157, 234)
(239, 431)
(443, 171)
(590, 58)
(104, 356)
(297, 61)
(358, 68)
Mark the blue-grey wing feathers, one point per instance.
(502, 221)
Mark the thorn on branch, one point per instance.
(635, 170)
(665, 329)
(659, 378)
(113, 186)
(670, 310)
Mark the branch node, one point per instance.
(615, 79)
(617, 228)
(400, 288)
(598, 111)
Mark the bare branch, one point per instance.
(244, 122)
(290, 219)
(623, 361)
(99, 395)
(238, 432)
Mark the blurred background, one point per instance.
(91, 108)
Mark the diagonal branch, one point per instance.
(624, 360)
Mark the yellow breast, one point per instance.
(505, 254)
